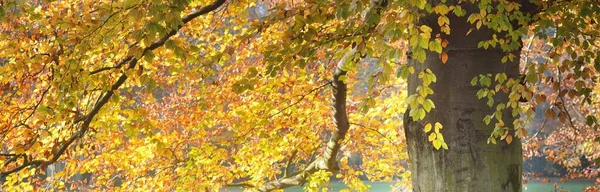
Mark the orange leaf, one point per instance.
(444, 57)
(550, 114)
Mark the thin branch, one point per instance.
(289, 163)
(117, 66)
(328, 161)
(280, 111)
(104, 100)
(568, 114)
(301, 98)
(240, 185)
(564, 108)
(541, 128)
(374, 130)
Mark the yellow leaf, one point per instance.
(444, 145)
(135, 51)
(437, 144)
(432, 136)
(427, 127)
(440, 136)
(500, 124)
(509, 139)
(521, 132)
(438, 126)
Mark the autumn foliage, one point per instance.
(202, 95)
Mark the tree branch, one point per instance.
(289, 163)
(301, 98)
(328, 160)
(374, 130)
(240, 185)
(132, 61)
(117, 66)
(284, 108)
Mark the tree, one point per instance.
(470, 164)
(207, 94)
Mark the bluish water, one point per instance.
(573, 186)
(533, 186)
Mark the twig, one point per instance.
(374, 130)
(289, 163)
(90, 116)
(280, 111)
(240, 185)
(301, 98)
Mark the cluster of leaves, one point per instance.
(435, 137)
(204, 94)
(233, 95)
(559, 63)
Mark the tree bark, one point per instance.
(470, 164)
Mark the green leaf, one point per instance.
(500, 106)
(481, 93)
(459, 11)
(420, 114)
(430, 103)
(343, 78)
(420, 55)
(426, 80)
(590, 120)
(485, 81)
(433, 77)
(501, 77)
(425, 29)
(423, 43)
(435, 46)
(403, 72)
(426, 106)
(532, 78)
(490, 101)
(474, 81)
(252, 72)
(487, 119)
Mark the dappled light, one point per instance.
(315, 95)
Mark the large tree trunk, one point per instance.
(470, 164)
